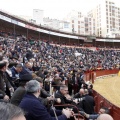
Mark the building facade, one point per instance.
(80, 24)
(56, 24)
(107, 19)
(38, 16)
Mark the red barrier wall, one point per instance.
(100, 100)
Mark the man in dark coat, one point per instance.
(26, 69)
(34, 108)
(88, 103)
(4, 83)
(16, 70)
(61, 94)
(29, 54)
(20, 91)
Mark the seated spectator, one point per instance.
(10, 112)
(34, 108)
(80, 93)
(61, 94)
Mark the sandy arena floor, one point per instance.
(109, 87)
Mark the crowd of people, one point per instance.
(30, 70)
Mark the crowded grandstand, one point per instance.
(51, 76)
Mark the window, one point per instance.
(72, 25)
(107, 21)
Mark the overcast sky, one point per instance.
(52, 8)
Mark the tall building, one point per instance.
(86, 26)
(107, 19)
(80, 24)
(38, 16)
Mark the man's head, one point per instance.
(28, 65)
(82, 91)
(18, 68)
(33, 86)
(86, 91)
(104, 117)
(64, 89)
(10, 112)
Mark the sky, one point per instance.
(52, 8)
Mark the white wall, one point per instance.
(38, 16)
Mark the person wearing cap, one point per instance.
(4, 83)
(20, 91)
(34, 108)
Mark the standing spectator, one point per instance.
(88, 103)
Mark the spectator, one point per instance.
(61, 94)
(26, 69)
(34, 108)
(20, 91)
(88, 103)
(16, 70)
(4, 83)
(10, 112)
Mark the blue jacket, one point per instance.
(25, 71)
(15, 74)
(36, 110)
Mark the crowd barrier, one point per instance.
(92, 75)
(99, 99)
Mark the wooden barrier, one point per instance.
(99, 99)
(101, 73)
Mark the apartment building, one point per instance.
(56, 24)
(80, 24)
(107, 19)
(38, 16)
